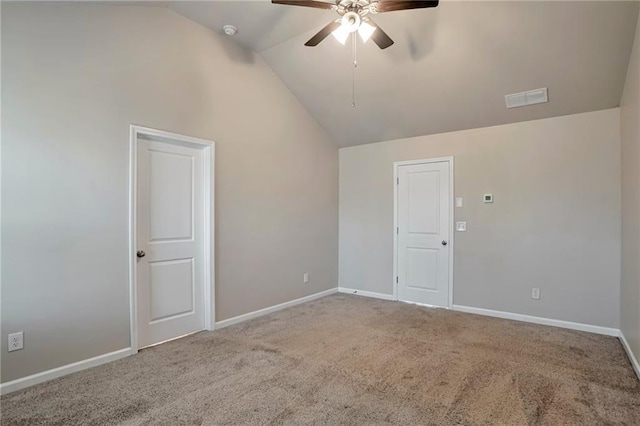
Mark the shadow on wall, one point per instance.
(414, 35)
(420, 39)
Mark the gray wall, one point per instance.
(630, 135)
(555, 222)
(74, 77)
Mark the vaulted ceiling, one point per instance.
(449, 68)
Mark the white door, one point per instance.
(423, 233)
(170, 241)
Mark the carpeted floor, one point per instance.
(352, 360)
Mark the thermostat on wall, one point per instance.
(488, 198)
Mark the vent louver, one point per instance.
(531, 97)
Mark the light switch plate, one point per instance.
(461, 226)
(459, 202)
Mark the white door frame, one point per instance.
(208, 148)
(396, 165)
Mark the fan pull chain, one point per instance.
(355, 65)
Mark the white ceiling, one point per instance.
(449, 68)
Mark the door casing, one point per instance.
(208, 148)
(396, 165)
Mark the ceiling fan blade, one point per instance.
(391, 5)
(323, 33)
(379, 37)
(305, 3)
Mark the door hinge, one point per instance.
(396, 280)
(397, 230)
(397, 181)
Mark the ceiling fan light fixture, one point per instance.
(351, 21)
(366, 30)
(354, 13)
(341, 34)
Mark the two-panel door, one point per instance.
(170, 241)
(423, 233)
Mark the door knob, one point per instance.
(141, 253)
(444, 243)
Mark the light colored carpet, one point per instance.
(351, 360)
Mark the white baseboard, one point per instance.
(366, 293)
(630, 354)
(539, 320)
(265, 311)
(500, 314)
(54, 373)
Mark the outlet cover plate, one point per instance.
(16, 341)
(461, 226)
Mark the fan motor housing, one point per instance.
(360, 7)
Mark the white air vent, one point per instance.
(537, 96)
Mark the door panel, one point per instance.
(172, 288)
(171, 204)
(423, 202)
(423, 214)
(422, 268)
(170, 228)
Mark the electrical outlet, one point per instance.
(16, 341)
(305, 277)
(535, 293)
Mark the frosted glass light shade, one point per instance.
(366, 31)
(341, 34)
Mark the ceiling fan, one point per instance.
(355, 17)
